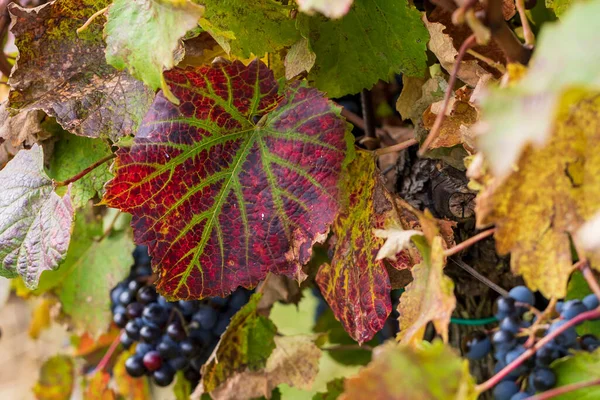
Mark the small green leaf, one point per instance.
(581, 367)
(72, 154)
(182, 388)
(56, 379)
(142, 36)
(377, 38)
(334, 389)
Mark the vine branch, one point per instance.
(589, 277)
(85, 171)
(396, 148)
(512, 47)
(469, 242)
(564, 389)
(435, 130)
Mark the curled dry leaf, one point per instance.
(66, 75)
(425, 371)
(23, 127)
(299, 58)
(397, 239)
(294, 362)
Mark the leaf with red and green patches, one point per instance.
(356, 284)
(239, 180)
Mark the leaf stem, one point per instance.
(370, 140)
(488, 61)
(106, 358)
(396, 148)
(469, 242)
(435, 130)
(589, 277)
(85, 171)
(512, 47)
(494, 380)
(527, 32)
(564, 389)
(91, 19)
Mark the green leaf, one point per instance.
(65, 73)
(182, 388)
(524, 112)
(426, 371)
(363, 47)
(247, 343)
(559, 6)
(578, 289)
(250, 27)
(91, 269)
(142, 36)
(582, 367)
(334, 389)
(56, 379)
(35, 223)
(72, 154)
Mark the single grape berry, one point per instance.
(175, 331)
(152, 360)
(163, 376)
(589, 342)
(120, 319)
(476, 345)
(134, 310)
(147, 295)
(522, 294)
(545, 355)
(505, 390)
(189, 348)
(503, 340)
(133, 328)
(115, 293)
(238, 299)
(126, 297)
(150, 333)
(135, 366)
(134, 286)
(142, 348)
(167, 348)
(126, 341)
(572, 308)
(591, 302)
(542, 379)
(178, 363)
(206, 317)
(506, 307)
(510, 324)
(567, 338)
(156, 314)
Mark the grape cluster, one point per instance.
(170, 336)
(509, 340)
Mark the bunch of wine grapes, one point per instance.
(168, 336)
(513, 337)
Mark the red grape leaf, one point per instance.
(356, 285)
(35, 222)
(235, 182)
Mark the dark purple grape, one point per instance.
(572, 308)
(150, 333)
(134, 286)
(135, 366)
(187, 308)
(589, 342)
(178, 363)
(505, 390)
(221, 325)
(152, 361)
(238, 299)
(545, 355)
(155, 314)
(126, 341)
(522, 294)
(135, 309)
(206, 317)
(120, 319)
(503, 340)
(567, 338)
(163, 376)
(520, 396)
(189, 348)
(219, 301)
(133, 328)
(167, 348)
(176, 331)
(147, 295)
(191, 374)
(126, 298)
(542, 379)
(510, 324)
(140, 255)
(115, 293)
(201, 336)
(476, 345)
(506, 307)
(591, 302)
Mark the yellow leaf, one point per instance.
(128, 387)
(41, 317)
(429, 297)
(552, 192)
